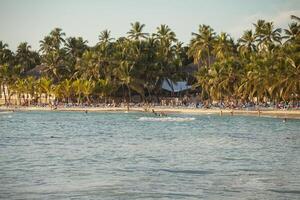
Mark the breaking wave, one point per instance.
(166, 119)
(5, 112)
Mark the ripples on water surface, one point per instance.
(62, 155)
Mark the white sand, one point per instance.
(273, 113)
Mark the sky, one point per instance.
(31, 20)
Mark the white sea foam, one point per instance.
(5, 112)
(6, 116)
(166, 119)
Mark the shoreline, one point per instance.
(291, 114)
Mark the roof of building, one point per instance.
(175, 86)
(37, 71)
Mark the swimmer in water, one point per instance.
(163, 114)
(155, 113)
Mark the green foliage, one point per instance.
(262, 65)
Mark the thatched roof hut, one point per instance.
(38, 71)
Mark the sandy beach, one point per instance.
(295, 114)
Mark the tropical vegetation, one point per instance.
(262, 65)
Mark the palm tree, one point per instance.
(151, 61)
(165, 34)
(8, 77)
(31, 85)
(257, 80)
(75, 46)
(292, 33)
(45, 87)
(126, 77)
(3, 46)
(57, 92)
(294, 17)
(136, 31)
(5, 54)
(104, 36)
(46, 45)
(247, 43)
(4, 80)
(217, 82)
(25, 57)
(23, 48)
(201, 45)
(202, 82)
(66, 89)
(6, 58)
(259, 27)
(57, 37)
(104, 87)
(88, 66)
(223, 46)
(77, 87)
(54, 57)
(166, 37)
(271, 34)
(20, 89)
(87, 89)
(291, 81)
(105, 50)
(166, 54)
(267, 35)
(54, 64)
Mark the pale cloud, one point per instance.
(281, 19)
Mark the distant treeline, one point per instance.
(262, 65)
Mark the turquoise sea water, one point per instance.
(73, 155)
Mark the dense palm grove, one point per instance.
(263, 65)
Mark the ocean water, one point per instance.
(73, 155)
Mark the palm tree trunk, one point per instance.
(208, 53)
(46, 99)
(88, 99)
(9, 96)
(129, 94)
(124, 94)
(4, 92)
(33, 97)
(157, 97)
(40, 98)
(23, 99)
(19, 99)
(129, 98)
(149, 93)
(78, 99)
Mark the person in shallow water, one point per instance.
(162, 114)
(155, 113)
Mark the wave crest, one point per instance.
(166, 119)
